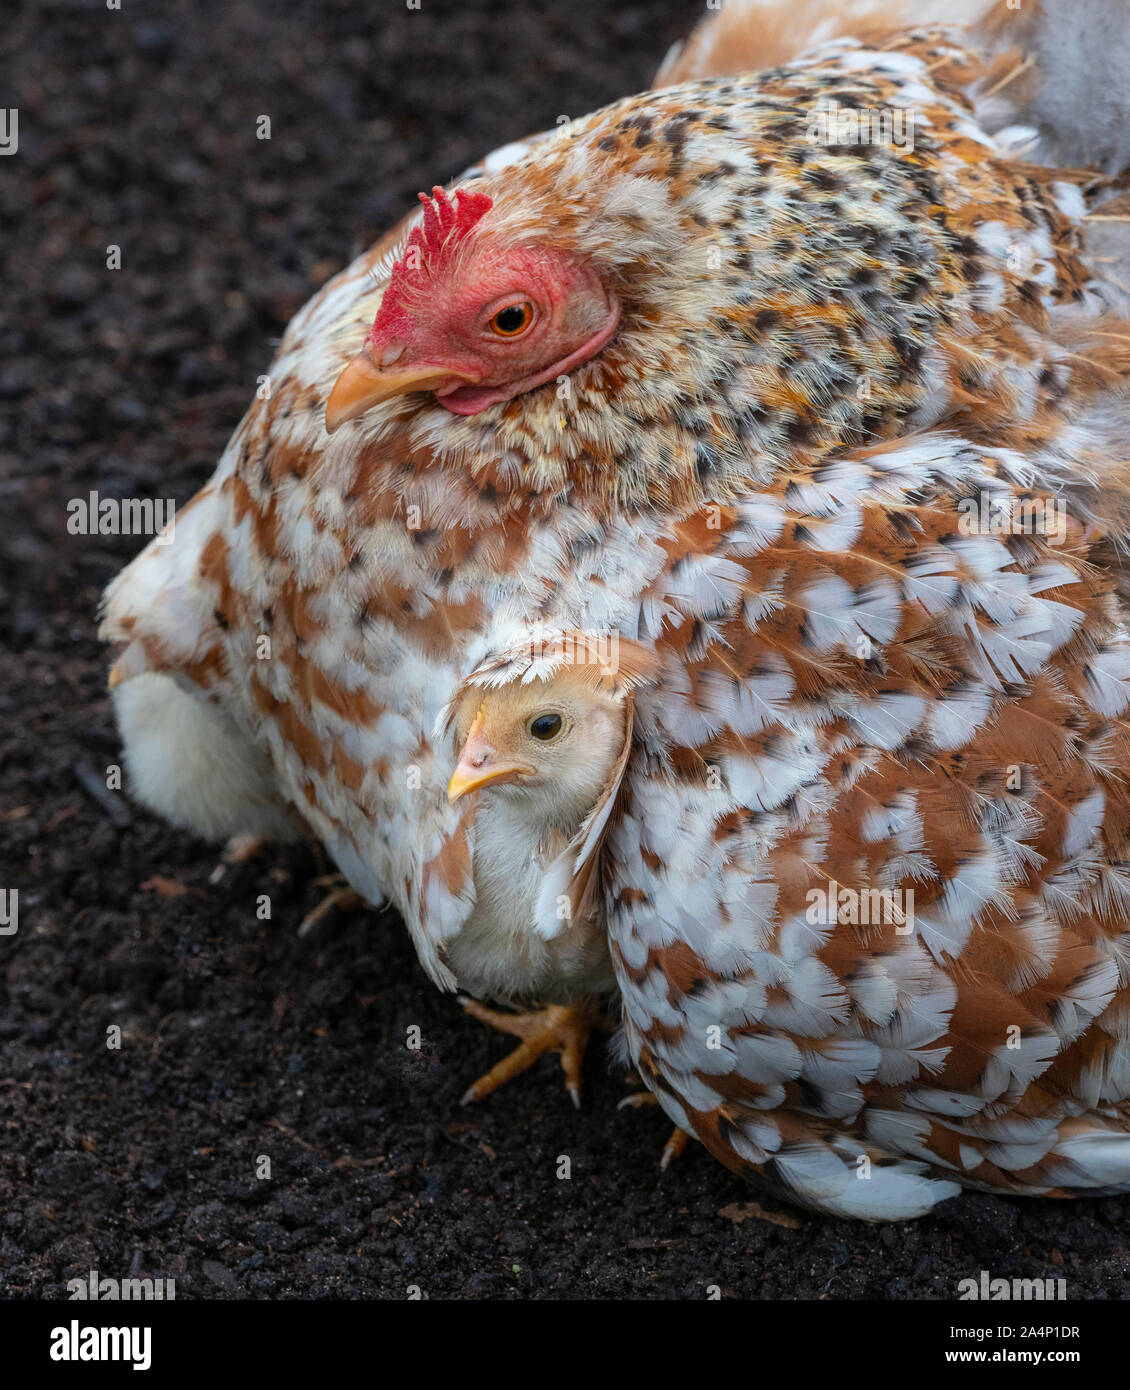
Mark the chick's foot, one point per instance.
(564, 1028)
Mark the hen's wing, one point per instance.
(896, 679)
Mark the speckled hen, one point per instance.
(740, 381)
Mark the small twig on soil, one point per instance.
(345, 1161)
(737, 1212)
(290, 1134)
(96, 788)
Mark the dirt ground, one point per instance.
(239, 1039)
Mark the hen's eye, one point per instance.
(513, 319)
(545, 727)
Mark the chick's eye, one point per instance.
(545, 727)
(512, 320)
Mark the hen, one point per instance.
(719, 372)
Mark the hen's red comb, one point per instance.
(429, 246)
(444, 221)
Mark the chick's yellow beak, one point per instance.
(364, 384)
(480, 765)
(465, 779)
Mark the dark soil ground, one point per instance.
(137, 128)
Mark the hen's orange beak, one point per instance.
(480, 766)
(364, 383)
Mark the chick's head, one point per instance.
(552, 743)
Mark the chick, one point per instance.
(543, 757)
(189, 763)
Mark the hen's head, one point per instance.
(473, 317)
(714, 290)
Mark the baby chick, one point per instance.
(543, 752)
(539, 757)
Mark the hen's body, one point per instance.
(823, 348)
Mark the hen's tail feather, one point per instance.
(754, 35)
(1068, 79)
(1058, 66)
(846, 1176)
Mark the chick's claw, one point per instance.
(340, 898)
(564, 1028)
(676, 1140)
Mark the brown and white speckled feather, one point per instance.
(822, 350)
(856, 690)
